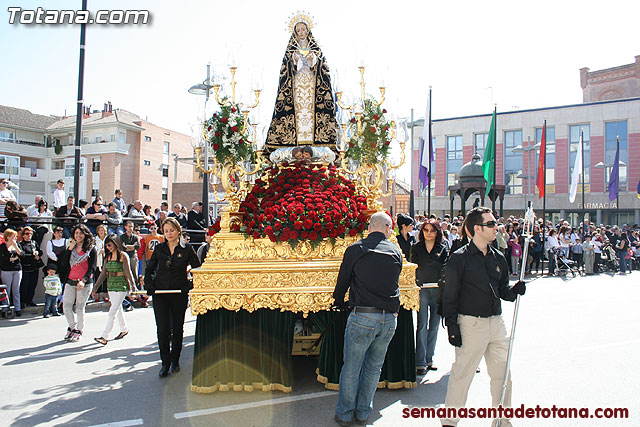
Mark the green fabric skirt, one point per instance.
(245, 351)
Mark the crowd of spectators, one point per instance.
(35, 238)
(591, 248)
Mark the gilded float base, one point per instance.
(381, 384)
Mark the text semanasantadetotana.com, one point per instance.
(517, 412)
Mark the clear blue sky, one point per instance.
(528, 52)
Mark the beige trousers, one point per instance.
(481, 336)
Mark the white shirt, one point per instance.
(59, 198)
(50, 254)
(552, 242)
(5, 195)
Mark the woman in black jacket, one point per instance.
(430, 255)
(166, 270)
(76, 267)
(405, 240)
(31, 263)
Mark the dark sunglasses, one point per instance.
(489, 224)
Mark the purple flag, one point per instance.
(426, 150)
(614, 178)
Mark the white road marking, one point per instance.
(126, 423)
(249, 405)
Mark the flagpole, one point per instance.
(544, 194)
(430, 160)
(495, 157)
(413, 183)
(618, 179)
(584, 209)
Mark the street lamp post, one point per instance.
(204, 88)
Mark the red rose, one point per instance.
(327, 218)
(233, 109)
(324, 233)
(209, 128)
(387, 142)
(372, 129)
(384, 111)
(241, 141)
(273, 238)
(268, 230)
(216, 146)
(217, 134)
(224, 120)
(376, 117)
(340, 229)
(304, 234)
(284, 237)
(277, 226)
(351, 145)
(317, 226)
(293, 235)
(234, 128)
(293, 217)
(235, 227)
(353, 232)
(256, 235)
(329, 226)
(297, 225)
(308, 224)
(333, 234)
(313, 235)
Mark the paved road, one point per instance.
(576, 346)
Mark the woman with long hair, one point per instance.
(167, 270)
(11, 267)
(76, 267)
(119, 281)
(43, 221)
(430, 254)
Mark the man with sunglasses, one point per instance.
(477, 278)
(5, 195)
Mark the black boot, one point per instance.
(175, 367)
(164, 371)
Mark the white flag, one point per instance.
(575, 175)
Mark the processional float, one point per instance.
(292, 209)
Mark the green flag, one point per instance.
(489, 162)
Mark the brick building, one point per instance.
(611, 83)
(119, 150)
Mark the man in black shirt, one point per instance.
(370, 269)
(477, 277)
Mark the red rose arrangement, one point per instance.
(373, 145)
(214, 228)
(303, 202)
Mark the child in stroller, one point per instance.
(610, 261)
(564, 265)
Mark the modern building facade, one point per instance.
(119, 151)
(600, 123)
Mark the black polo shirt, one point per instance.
(475, 283)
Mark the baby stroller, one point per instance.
(5, 306)
(610, 261)
(564, 265)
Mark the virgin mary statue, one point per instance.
(305, 111)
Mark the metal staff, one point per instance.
(160, 291)
(527, 232)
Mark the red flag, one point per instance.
(540, 182)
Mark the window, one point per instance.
(95, 193)
(147, 163)
(614, 130)
(112, 137)
(165, 153)
(165, 196)
(165, 171)
(9, 165)
(480, 143)
(98, 139)
(95, 165)
(550, 142)
(147, 138)
(122, 137)
(69, 170)
(85, 140)
(6, 136)
(454, 158)
(145, 186)
(574, 142)
(512, 162)
(57, 164)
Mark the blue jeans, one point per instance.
(552, 263)
(50, 304)
(117, 230)
(366, 339)
(623, 261)
(427, 330)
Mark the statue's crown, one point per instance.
(298, 17)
